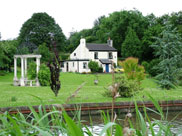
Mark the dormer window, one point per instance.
(96, 55)
(74, 54)
(110, 55)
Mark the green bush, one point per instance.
(44, 75)
(32, 70)
(132, 70)
(2, 73)
(127, 88)
(94, 66)
(100, 70)
(150, 67)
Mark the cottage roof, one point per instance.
(105, 61)
(99, 47)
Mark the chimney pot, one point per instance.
(83, 41)
(110, 42)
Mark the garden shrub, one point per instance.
(100, 70)
(32, 70)
(44, 75)
(94, 66)
(150, 67)
(132, 70)
(127, 88)
(2, 72)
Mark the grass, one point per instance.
(90, 93)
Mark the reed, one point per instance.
(59, 123)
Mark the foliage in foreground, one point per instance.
(59, 123)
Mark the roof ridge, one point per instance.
(98, 43)
(99, 47)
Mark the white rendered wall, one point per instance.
(77, 67)
(103, 55)
(81, 51)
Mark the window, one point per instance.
(110, 55)
(96, 55)
(62, 64)
(73, 64)
(84, 65)
(74, 54)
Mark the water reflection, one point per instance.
(173, 118)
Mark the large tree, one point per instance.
(115, 26)
(153, 30)
(38, 30)
(168, 48)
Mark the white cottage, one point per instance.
(104, 54)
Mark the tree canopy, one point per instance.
(38, 30)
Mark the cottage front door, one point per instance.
(107, 68)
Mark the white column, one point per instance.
(15, 69)
(15, 72)
(22, 67)
(38, 65)
(22, 83)
(26, 68)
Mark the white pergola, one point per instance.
(23, 80)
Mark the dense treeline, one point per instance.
(7, 50)
(143, 37)
(155, 41)
(131, 32)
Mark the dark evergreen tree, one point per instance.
(168, 48)
(131, 46)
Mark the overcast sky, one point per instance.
(74, 14)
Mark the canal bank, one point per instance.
(94, 108)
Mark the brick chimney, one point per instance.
(110, 42)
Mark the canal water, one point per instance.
(174, 118)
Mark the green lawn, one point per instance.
(69, 83)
